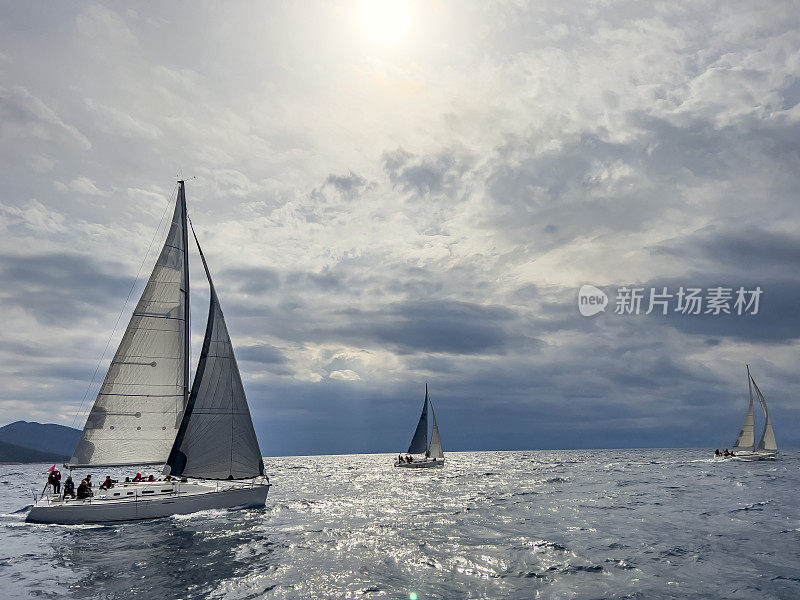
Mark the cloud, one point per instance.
(373, 222)
(60, 288)
(82, 185)
(25, 116)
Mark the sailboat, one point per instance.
(147, 414)
(745, 447)
(431, 454)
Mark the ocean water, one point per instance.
(541, 524)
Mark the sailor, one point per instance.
(399, 458)
(726, 453)
(51, 481)
(69, 487)
(151, 478)
(138, 478)
(427, 454)
(717, 452)
(108, 483)
(84, 490)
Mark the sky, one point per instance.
(380, 213)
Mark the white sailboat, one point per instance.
(745, 447)
(147, 414)
(431, 454)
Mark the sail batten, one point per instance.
(138, 407)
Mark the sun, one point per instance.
(384, 21)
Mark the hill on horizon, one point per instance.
(29, 441)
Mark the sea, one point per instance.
(541, 524)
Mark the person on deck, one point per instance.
(108, 483)
(69, 487)
(399, 458)
(717, 452)
(726, 453)
(138, 478)
(84, 491)
(151, 478)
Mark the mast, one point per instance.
(185, 291)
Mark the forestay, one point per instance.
(216, 439)
(139, 406)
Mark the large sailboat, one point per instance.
(422, 454)
(146, 413)
(745, 447)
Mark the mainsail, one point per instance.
(767, 441)
(216, 439)
(419, 443)
(746, 439)
(435, 449)
(138, 409)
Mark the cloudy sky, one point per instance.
(378, 215)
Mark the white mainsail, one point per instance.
(746, 439)
(767, 441)
(216, 439)
(139, 406)
(435, 449)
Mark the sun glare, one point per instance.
(384, 21)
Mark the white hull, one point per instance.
(426, 464)
(148, 501)
(757, 455)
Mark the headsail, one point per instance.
(746, 439)
(767, 441)
(139, 406)
(435, 449)
(419, 443)
(216, 439)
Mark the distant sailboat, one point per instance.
(432, 454)
(147, 414)
(745, 447)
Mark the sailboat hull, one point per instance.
(757, 455)
(148, 502)
(420, 464)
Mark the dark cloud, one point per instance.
(347, 184)
(431, 326)
(261, 353)
(61, 288)
(423, 174)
